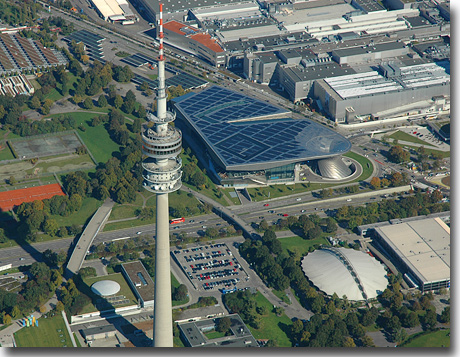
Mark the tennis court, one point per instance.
(45, 145)
(9, 199)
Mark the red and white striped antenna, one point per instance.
(161, 35)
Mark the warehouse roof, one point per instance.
(424, 245)
(331, 271)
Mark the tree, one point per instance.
(141, 113)
(7, 319)
(445, 315)
(375, 183)
(430, 320)
(15, 312)
(331, 226)
(224, 324)
(348, 342)
(118, 101)
(180, 293)
(144, 86)
(397, 154)
(102, 101)
(42, 309)
(59, 306)
(12, 181)
(136, 126)
(367, 341)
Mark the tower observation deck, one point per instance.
(161, 145)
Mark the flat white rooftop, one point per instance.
(423, 244)
(362, 84)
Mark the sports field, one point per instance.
(45, 145)
(9, 199)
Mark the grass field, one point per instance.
(274, 191)
(62, 163)
(400, 135)
(272, 327)
(214, 334)
(439, 338)
(5, 152)
(300, 245)
(282, 296)
(124, 290)
(97, 138)
(51, 332)
(88, 207)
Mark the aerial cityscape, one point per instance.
(225, 173)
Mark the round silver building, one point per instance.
(161, 145)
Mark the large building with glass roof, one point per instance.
(251, 141)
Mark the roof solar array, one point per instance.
(243, 134)
(92, 41)
(18, 53)
(187, 81)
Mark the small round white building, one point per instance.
(105, 287)
(345, 272)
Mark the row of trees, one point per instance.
(415, 205)
(307, 226)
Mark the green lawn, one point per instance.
(366, 164)
(5, 152)
(429, 151)
(300, 245)
(124, 290)
(439, 338)
(282, 296)
(272, 327)
(273, 191)
(51, 332)
(96, 139)
(214, 334)
(88, 207)
(400, 135)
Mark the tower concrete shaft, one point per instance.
(162, 326)
(161, 146)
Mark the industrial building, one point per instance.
(114, 11)
(194, 41)
(140, 282)
(249, 141)
(345, 271)
(421, 250)
(194, 333)
(16, 85)
(369, 54)
(19, 54)
(350, 97)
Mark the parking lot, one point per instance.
(211, 267)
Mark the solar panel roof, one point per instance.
(187, 81)
(248, 134)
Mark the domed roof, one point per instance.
(345, 272)
(105, 287)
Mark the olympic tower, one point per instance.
(162, 144)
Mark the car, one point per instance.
(349, 200)
(21, 258)
(285, 215)
(266, 205)
(138, 233)
(298, 199)
(302, 211)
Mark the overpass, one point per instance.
(86, 239)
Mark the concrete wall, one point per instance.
(336, 106)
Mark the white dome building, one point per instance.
(105, 287)
(345, 272)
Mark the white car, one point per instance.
(349, 200)
(138, 233)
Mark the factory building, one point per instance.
(371, 53)
(421, 250)
(114, 11)
(194, 41)
(347, 98)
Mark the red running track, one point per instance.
(9, 199)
